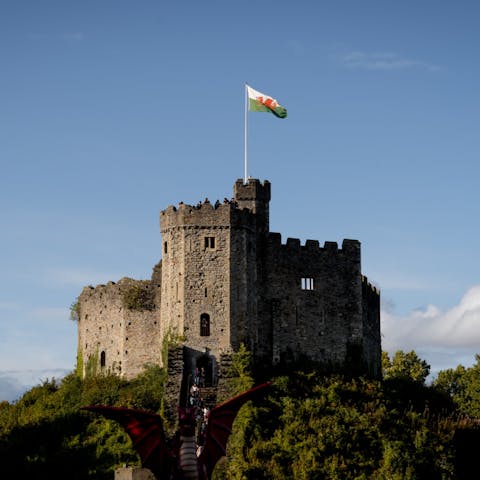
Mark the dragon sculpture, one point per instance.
(179, 458)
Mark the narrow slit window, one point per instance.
(103, 360)
(209, 243)
(307, 283)
(204, 325)
(165, 247)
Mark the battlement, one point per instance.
(254, 189)
(351, 247)
(115, 293)
(206, 214)
(109, 288)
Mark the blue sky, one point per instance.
(112, 110)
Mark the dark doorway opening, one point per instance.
(205, 362)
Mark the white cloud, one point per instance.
(445, 336)
(383, 61)
(457, 327)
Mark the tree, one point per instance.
(405, 366)
(451, 381)
(463, 386)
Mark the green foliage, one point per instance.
(79, 366)
(407, 366)
(314, 427)
(46, 435)
(75, 311)
(139, 296)
(171, 339)
(240, 372)
(91, 368)
(308, 426)
(463, 386)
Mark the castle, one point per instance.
(224, 279)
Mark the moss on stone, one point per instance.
(139, 296)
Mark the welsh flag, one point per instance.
(259, 102)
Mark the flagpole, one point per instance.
(245, 178)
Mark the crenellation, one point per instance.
(312, 245)
(293, 243)
(330, 246)
(224, 279)
(275, 239)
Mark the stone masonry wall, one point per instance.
(113, 338)
(321, 320)
(197, 275)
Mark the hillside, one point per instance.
(309, 426)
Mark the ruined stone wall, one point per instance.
(113, 338)
(143, 341)
(101, 327)
(324, 317)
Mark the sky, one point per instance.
(112, 110)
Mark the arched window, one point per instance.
(204, 325)
(102, 359)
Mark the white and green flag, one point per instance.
(259, 102)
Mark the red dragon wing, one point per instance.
(147, 434)
(219, 428)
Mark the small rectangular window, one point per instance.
(209, 243)
(307, 283)
(165, 248)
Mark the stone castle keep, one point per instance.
(224, 279)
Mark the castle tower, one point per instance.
(255, 196)
(210, 272)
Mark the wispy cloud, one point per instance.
(383, 61)
(66, 36)
(13, 383)
(75, 277)
(296, 47)
(399, 281)
(73, 36)
(9, 306)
